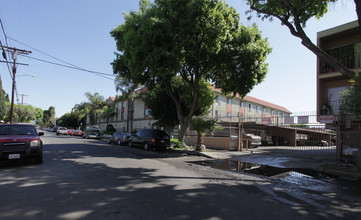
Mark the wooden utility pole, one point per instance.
(15, 53)
(240, 133)
(22, 98)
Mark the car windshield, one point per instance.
(17, 130)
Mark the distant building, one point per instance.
(224, 108)
(343, 43)
(250, 109)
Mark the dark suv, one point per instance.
(20, 141)
(149, 138)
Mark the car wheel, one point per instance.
(119, 142)
(130, 144)
(108, 141)
(146, 146)
(39, 159)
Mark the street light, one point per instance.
(26, 75)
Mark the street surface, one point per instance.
(89, 179)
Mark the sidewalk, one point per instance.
(322, 165)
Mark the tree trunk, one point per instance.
(184, 121)
(200, 143)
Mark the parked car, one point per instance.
(70, 131)
(253, 140)
(53, 129)
(19, 141)
(77, 133)
(266, 137)
(149, 138)
(119, 137)
(93, 132)
(62, 131)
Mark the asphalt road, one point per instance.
(89, 179)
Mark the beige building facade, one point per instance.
(343, 43)
(250, 109)
(224, 108)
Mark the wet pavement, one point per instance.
(328, 166)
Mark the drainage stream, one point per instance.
(306, 178)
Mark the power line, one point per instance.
(69, 65)
(43, 52)
(76, 68)
(6, 42)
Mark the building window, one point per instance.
(146, 112)
(218, 114)
(264, 110)
(229, 116)
(219, 101)
(257, 109)
(250, 107)
(272, 112)
(229, 101)
(241, 104)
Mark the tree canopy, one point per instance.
(352, 97)
(159, 101)
(193, 39)
(294, 14)
(95, 104)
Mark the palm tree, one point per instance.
(127, 88)
(80, 111)
(96, 103)
(201, 126)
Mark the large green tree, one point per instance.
(194, 39)
(294, 14)
(68, 120)
(161, 104)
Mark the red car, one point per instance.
(70, 131)
(19, 141)
(77, 133)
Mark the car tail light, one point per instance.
(153, 140)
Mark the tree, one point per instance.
(127, 88)
(352, 97)
(161, 105)
(3, 109)
(80, 111)
(96, 103)
(202, 125)
(194, 39)
(294, 14)
(68, 120)
(107, 112)
(49, 116)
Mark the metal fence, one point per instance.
(298, 134)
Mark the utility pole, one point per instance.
(15, 53)
(22, 98)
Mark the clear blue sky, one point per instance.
(78, 32)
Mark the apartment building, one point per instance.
(224, 108)
(250, 109)
(343, 43)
